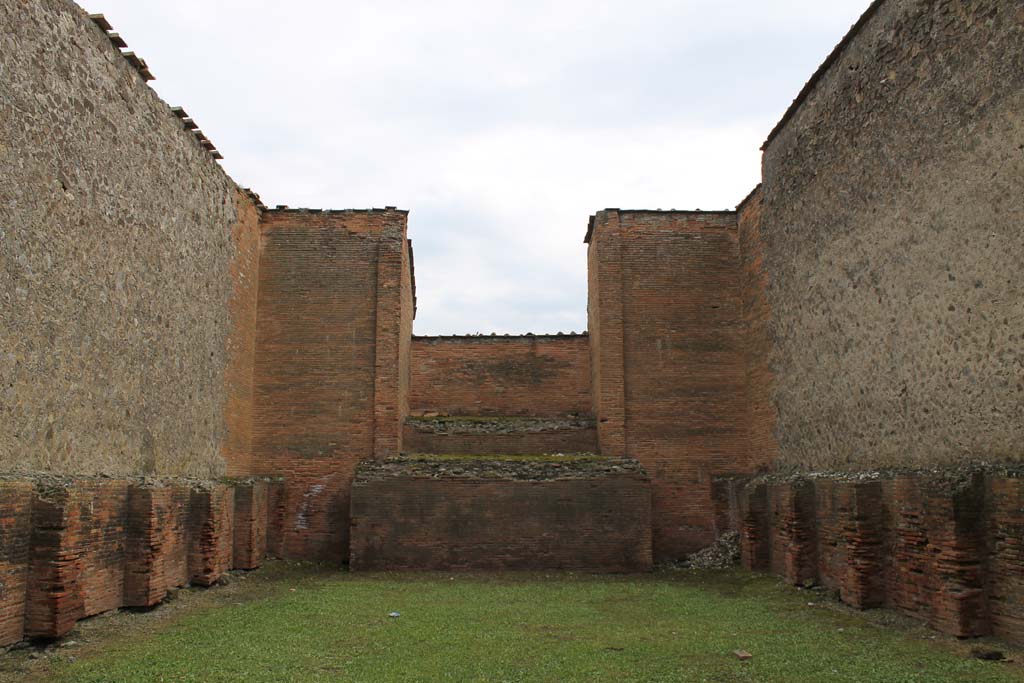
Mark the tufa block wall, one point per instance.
(334, 298)
(532, 375)
(668, 350)
(92, 157)
(945, 550)
(473, 514)
(890, 236)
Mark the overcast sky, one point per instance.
(500, 126)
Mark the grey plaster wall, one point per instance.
(893, 239)
(115, 257)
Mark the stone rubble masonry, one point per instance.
(501, 376)
(128, 266)
(591, 514)
(669, 360)
(946, 548)
(889, 247)
(75, 547)
(335, 301)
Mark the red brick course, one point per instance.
(334, 298)
(762, 446)
(1006, 560)
(54, 599)
(409, 522)
(238, 376)
(542, 376)
(15, 537)
(149, 524)
(156, 548)
(947, 551)
(77, 554)
(250, 530)
(794, 545)
(276, 513)
(70, 549)
(210, 533)
(669, 361)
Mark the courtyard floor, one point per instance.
(297, 622)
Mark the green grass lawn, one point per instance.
(304, 624)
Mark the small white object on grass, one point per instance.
(395, 615)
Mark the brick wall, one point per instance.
(15, 545)
(461, 516)
(507, 436)
(73, 548)
(670, 363)
(762, 447)
(537, 375)
(238, 408)
(943, 548)
(333, 287)
(211, 533)
(156, 543)
(252, 514)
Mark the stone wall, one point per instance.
(328, 372)
(891, 242)
(943, 548)
(534, 375)
(669, 357)
(589, 514)
(127, 265)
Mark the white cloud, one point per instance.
(501, 125)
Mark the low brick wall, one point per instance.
(251, 521)
(156, 542)
(15, 523)
(948, 549)
(77, 554)
(593, 514)
(499, 436)
(71, 548)
(211, 533)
